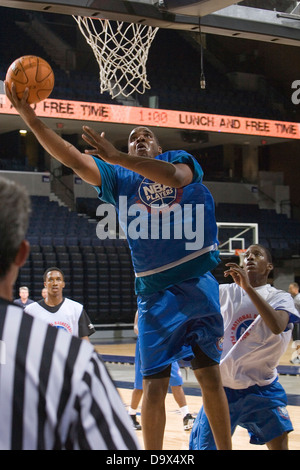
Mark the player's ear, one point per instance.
(270, 267)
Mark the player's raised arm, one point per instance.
(142, 148)
(83, 165)
(276, 320)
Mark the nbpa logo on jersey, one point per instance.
(157, 194)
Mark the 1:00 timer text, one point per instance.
(154, 116)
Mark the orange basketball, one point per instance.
(34, 73)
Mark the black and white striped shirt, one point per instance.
(55, 392)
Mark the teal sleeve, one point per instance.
(184, 157)
(107, 191)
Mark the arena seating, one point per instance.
(98, 273)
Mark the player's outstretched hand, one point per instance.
(100, 146)
(238, 274)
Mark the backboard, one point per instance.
(234, 237)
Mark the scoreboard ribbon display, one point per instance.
(84, 111)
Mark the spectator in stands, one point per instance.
(258, 327)
(24, 299)
(177, 277)
(60, 311)
(175, 384)
(55, 392)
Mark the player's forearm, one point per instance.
(155, 170)
(276, 320)
(57, 147)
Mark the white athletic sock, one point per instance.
(131, 411)
(184, 410)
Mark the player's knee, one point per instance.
(209, 378)
(201, 360)
(155, 386)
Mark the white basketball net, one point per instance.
(121, 50)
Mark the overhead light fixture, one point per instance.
(23, 131)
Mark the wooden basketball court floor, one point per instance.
(119, 358)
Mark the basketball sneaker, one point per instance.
(295, 360)
(135, 423)
(188, 422)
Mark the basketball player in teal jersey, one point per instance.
(178, 298)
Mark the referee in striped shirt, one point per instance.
(55, 392)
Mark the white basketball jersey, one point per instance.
(65, 317)
(251, 352)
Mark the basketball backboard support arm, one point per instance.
(133, 10)
(193, 7)
(234, 20)
(137, 7)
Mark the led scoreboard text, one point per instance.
(99, 112)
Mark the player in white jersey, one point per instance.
(59, 311)
(258, 322)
